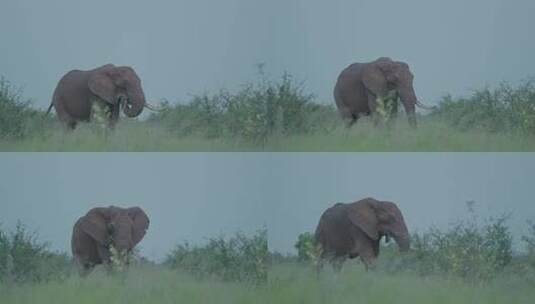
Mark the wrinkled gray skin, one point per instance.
(360, 85)
(115, 87)
(355, 230)
(101, 227)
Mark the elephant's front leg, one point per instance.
(392, 107)
(367, 255)
(376, 105)
(410, 110)
(104, 254)
(114, 115)
(337, 263)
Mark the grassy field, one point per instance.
(288, 283)
(141, 136)
(141, 285)
(297, 284)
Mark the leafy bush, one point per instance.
(505, 108)
(17, 118)
(529, 239)
(254, 113)
(239, 258)
(307, 250)
(468, 249)
(24, 259)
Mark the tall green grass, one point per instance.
(142, 136)
(295, 283)
(288, 283)
(138, 285)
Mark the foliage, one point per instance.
(17, 118)
(307, 250)
(238, 258)
(470, 248)
(24, 259)
(253, 114)
(503, 109)
(529, 240)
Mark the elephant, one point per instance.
(102, 228)
(355, 229)
(110, 87)
(367, 88)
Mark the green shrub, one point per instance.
(239, 258)
(307, 251)
(17, 117)
(253, 113)
(503, 109)
(24, 259)
(529, 240)
(468, 249)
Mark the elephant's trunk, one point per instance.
(409, 100)
(400, 233)
(408, 97)
(134, 103)
(403, 242)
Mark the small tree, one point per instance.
(307, 249)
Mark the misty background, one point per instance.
(181, 48)
(194, 196)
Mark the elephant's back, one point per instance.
(348, 90)
(82, 245)
(77, 234)
(72, 94)
(332, 231)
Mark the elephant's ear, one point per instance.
(94, 223)
(375, 79)
(141, 223)
(102, 85)
(362, 215)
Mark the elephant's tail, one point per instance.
(49, 108)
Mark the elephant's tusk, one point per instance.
(425, 107)
(152, 108)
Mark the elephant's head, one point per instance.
(380, 218)
(121, 227)
(383, 75)
(398, 77)
(118, 85)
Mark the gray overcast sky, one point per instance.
(187, 47)
(192, 196)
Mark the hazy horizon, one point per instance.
(181, 48)
(195, 196)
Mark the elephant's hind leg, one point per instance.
(352, 120)
(368, 254)
(71, 125)
(337, 264)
